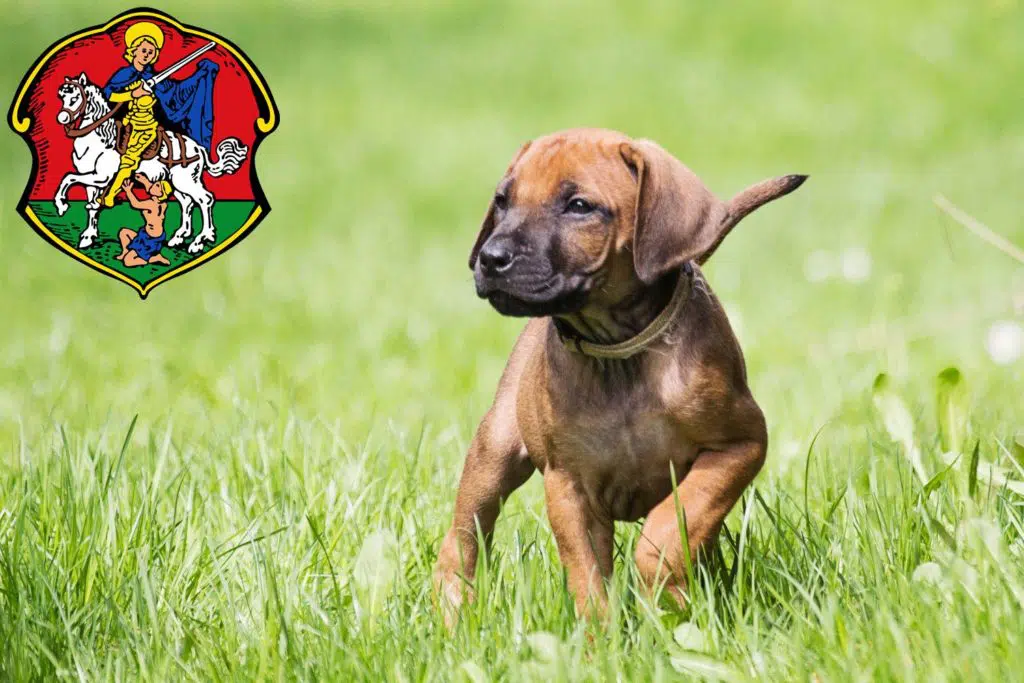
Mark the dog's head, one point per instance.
(585, 217)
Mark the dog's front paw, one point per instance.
(452, 591)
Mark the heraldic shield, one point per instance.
(143, 134)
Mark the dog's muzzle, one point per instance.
(516, 285)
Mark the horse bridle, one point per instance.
(76, 115)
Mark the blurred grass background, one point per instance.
(342, 341)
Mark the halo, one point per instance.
(144, 29)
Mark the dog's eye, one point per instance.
(500, 201)
(578, 205)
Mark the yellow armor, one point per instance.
(140, 119)
(143, 127)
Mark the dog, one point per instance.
(627, 385)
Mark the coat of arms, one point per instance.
(143, 132)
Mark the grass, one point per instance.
(248, 475)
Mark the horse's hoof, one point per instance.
(198, 243)
(62, 208)
(175, 242)
(85, 243)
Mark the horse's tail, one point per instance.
(230, 155)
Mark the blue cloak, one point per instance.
(187, 103)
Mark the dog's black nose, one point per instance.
(496, 257)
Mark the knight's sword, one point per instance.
(149, 83)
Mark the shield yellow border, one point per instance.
(265, 124)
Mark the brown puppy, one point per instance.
(627, 378)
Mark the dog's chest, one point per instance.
(626, 466)
(620, 442)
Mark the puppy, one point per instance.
(627, 378)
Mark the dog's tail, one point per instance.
(754, 197)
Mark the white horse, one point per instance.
(96, 161)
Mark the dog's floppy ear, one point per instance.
(488, 225)
(676, 216)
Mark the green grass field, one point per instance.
(248, 475)
(228, 217)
